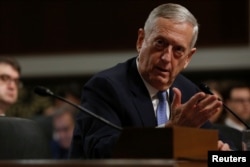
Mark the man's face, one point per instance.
(63, 129)
(9, 79)
(164, 51)
(239, 102)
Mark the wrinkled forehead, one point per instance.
(178, 30)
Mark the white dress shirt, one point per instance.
(229, 122)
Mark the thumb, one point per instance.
(176, 99)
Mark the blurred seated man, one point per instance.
(218, 118)
(69, 91)
(63, 126)
(10, 71)
(237, 98)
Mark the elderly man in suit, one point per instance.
(147, 90)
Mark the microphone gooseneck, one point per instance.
(43, 91)
(207, 90)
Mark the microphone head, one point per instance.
(205, 88)
(43, 91)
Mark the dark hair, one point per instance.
(12, 62)
(226, 93)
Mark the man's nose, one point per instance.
(167, 53)
(12, 84)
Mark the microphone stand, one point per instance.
(42, 91)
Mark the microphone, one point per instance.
(43, 91)
(207, 90)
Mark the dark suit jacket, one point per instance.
(119, 95)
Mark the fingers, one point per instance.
(196, 111)
(209, 102)
(220, 144)
(195, 100)
(223, 146)
(183, 115)
(177, 98)
(209, 105)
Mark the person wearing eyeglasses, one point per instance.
(237, 98)
(10, 71)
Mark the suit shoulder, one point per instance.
(119, 70)
(186, 86)
(117, 74)
(182, 81)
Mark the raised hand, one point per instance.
(194, 112)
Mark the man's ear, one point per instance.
(189, 57)
(140, 39)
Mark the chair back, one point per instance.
(22, 139)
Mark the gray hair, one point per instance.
(174, 12)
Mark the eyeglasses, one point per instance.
(6, 79)
(240, 100)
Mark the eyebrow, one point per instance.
(9, 76)
(169, 41)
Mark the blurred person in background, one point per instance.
(218, 118)
(237, 98)
(10, 72)
(70, 92)
(63, 127)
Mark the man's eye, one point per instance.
(179, 49)
(5, 77)
(160, 43)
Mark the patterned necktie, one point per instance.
(161, 108)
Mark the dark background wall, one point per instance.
(45, 26)
(54, 27)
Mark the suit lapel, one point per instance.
(141, 97)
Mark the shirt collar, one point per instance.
(229, 122)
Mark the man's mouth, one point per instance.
(163, 69)
(10, 94)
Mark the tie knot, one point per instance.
(161, 95)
